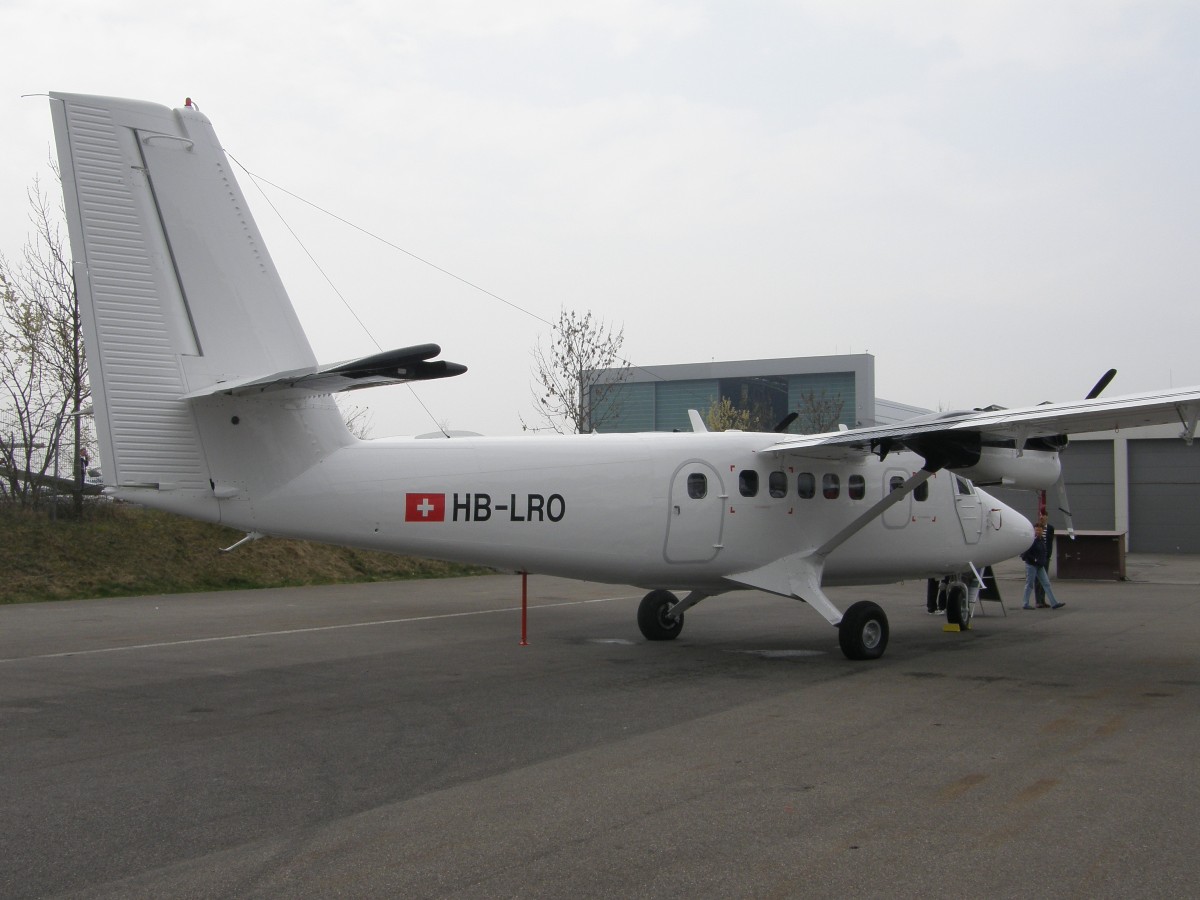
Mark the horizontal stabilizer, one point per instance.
(59, 485)
(391, 367)
(406, 364)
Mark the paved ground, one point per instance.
(395, 740)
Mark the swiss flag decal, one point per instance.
(424, 507)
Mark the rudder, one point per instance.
(178, 294)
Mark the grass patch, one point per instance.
(116, 550)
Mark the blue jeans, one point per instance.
(1037, 574)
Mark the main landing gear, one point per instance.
(655, 618)
(862, 631)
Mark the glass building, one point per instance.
(826, 391)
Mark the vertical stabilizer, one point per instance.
(178, 294)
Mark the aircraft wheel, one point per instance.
(652, 617)
(958, 606)
(863, 631)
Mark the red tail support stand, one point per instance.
(524, 607)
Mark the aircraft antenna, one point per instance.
(307, 252)
(386, 242)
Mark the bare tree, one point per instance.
(819, 413)
(27, 413)
(360, 421)
(42, 361)
(579, 376)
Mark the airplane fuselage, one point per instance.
(656, 510)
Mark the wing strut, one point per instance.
(876, 510)
(799, 574)
(1188, 414)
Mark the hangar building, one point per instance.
(1143, 482)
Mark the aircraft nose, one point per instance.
(1009, 532)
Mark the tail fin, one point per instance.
(178, 295)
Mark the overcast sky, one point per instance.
(999, 200)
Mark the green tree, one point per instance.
(723, 415)
(817, 413)
(726, 415)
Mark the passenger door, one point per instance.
(696, 514)
(970, 510)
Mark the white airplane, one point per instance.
(210, 403)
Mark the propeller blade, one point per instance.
(1101, 384)
(1064, 505)
(786, 421)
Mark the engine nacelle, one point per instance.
(1033, 470)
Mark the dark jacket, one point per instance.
(1036, 554)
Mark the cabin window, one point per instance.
(806, 485)
(748, 483)
(964, 486)
(856, 487)
(831, 486)
(697, 484)
(777, 484)
(895, 484)
(921, 494)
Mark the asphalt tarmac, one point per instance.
(396, 740)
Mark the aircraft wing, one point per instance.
(391, 367)
(944, 433)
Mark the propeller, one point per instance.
(1101, 384)
(1060, 486)
(785, 422)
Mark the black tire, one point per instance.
(656, 625)
(958, 606)
(863, 631)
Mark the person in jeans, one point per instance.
(1035, 569)
(1039, 591)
